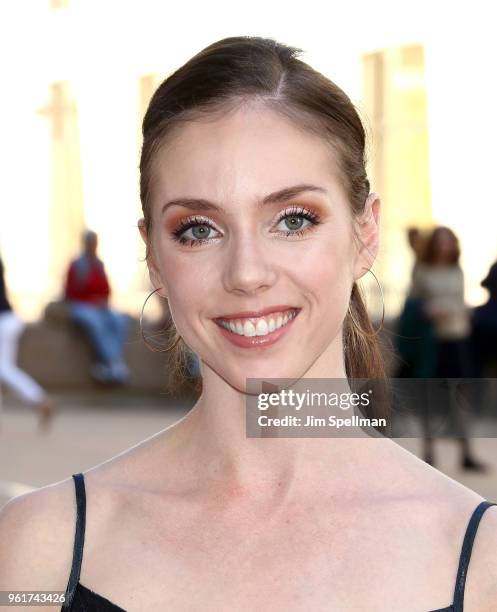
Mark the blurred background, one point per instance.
(78, 75)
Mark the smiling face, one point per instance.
(270, 227)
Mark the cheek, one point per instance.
(188, 282)
(326, 265)
(324, 273)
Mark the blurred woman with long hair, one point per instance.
(438, 280)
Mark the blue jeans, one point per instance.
(106, 329)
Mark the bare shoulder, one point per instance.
(439, 504)
(430, 482)
(37, 537)
(448, 507)
(482, 570)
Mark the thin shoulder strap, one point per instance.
(79, 540)
(467, 546)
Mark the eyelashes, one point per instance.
(293, 213)
(186, 224)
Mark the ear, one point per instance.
(369, 236)
(153, 269)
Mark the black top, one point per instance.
(81, 599)
(4, 302)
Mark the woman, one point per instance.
(255, 198)
(438, 281)
(25, 387)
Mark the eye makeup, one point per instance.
(299, 211)
(293, 212)
(186, 224)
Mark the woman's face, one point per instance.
(226, 248)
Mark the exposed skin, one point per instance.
(201, 517)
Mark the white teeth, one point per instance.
(248, 328)
(263, 325)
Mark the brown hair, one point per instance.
(235, 69)
(430, 252)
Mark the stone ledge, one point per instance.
(57, 353)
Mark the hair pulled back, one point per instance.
(243, 68)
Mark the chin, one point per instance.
(262, 371)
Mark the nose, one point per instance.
(249, 269)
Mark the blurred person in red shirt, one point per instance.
(87, 292)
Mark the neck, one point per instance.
(223, 459)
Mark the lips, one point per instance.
(254, 314)
(252, 332)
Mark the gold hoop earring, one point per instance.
(380, 327)
(150, 346)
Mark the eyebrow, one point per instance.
(281, 195)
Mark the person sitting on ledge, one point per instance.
(87, 292)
